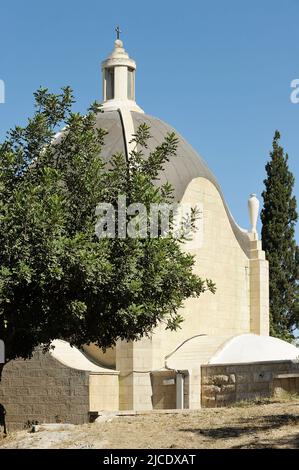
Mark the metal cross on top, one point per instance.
(118, 31)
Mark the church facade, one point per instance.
(228, 330)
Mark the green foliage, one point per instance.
(279, 216)
(57, 279)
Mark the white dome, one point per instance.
(254, 348)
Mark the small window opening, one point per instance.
(109, 79)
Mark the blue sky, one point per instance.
(219, 72)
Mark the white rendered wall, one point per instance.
(220, 258)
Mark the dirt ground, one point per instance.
(258, 425)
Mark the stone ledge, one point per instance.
(231, 365)
(286, 376)
(148, 412)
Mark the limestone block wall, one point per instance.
(45, 390)
(259, 290)
(103, 392)
(222, 385)
(286, 383)
(134, 363)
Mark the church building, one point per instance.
(223, 352)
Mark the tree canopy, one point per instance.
(58, 279)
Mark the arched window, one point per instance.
(109, 84)
(131, 84)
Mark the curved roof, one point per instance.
(254, 348)
(244, 348)
(179, 171)
(114, 140)
(195, 351)
(72, 357)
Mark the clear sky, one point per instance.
(218, 71)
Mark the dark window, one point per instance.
(109, 79)
(131, 84)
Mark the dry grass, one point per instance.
(272, 424)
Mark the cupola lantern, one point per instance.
(118, 75)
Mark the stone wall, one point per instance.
(134, 363)
(285, 383)
(259, 289)
(45, 390)
(103, 392)
(222, 385)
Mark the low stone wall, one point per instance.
(223, 384)
(44, 390)
(285, 383)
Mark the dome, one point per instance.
(254, 348)
(179, 171)
(244, 348)
(121, 118)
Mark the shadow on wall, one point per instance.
(2, 418)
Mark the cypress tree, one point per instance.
(279, 216)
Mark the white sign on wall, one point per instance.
(2, 352)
